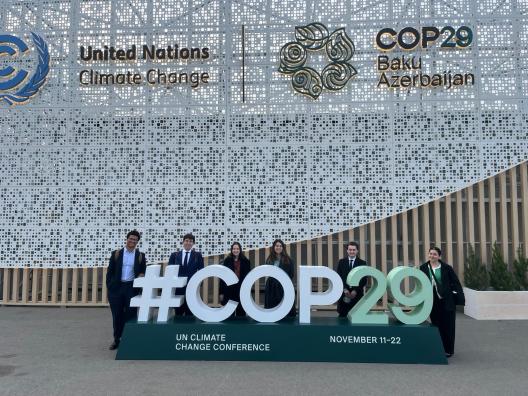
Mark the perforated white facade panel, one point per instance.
(81, 165)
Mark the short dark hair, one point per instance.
(134, 233)
(437, 250)
(353, 243)
(189, 236)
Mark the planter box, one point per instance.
(496, 305)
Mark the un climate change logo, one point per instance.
(315, 37)
(16, 87)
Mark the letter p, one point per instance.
(307, 298)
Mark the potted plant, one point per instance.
(499, 293)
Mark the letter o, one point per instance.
(414, 43)
(272, 314)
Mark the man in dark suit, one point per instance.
(126, 264)
(351, 295)
(190, 262)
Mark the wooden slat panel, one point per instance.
(504, 218)
(482, 222)
(383, 241)
(45, 276)
(416, 237)
(459, 264)
(362, 243)
(64, 286)
(84, 290)
(437, 223)
(104, 296)
(35, 277)
(514, 226)
(309, 256)
(426, 235)
(319, 262)
(449, 229)
(54, 285)
(405, 246)
(7, 284)
(216, 283)
(95, 284)
(15, 287)
(492, 210)
(340, 247)
(74, 285)
(25, 285)
(470, 217)
(257, 283)
(395, 237)
(373, 260)
(524, 196)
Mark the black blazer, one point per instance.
(115, 268)
(450, 284)
(233, 291)
(343, 268)
(195, 263)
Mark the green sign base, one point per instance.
(324, 340)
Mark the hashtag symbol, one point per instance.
(149, 297)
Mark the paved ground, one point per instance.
(57, 351)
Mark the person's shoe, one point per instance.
(113, 345)
(449, 355)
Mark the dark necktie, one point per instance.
(351, 262)
(186, 259)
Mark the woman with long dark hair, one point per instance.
(447, 293)
(278, 257)
(237, 262)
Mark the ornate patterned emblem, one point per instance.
(315, 37)
(35, 83)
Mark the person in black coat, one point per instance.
(190, 262)
(273, 292)
(351, 295)
(125, 265)
(446, 289)
(237, 262)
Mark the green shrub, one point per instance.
(475, 273)
(500, 277)
(520, 271)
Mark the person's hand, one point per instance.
(346, 293)
(221, 297)
(353, 294)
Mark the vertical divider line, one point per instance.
(243, 64)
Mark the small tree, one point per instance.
(475, 274)
(500, 277)
(520, 271)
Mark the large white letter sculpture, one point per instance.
(201, 310)
(272, 314)
(307, 298)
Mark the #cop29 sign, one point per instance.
(420, 300)
(19, 86)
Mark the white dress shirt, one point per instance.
(127, 272)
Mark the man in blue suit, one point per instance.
(190, 261)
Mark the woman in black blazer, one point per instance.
(273, 292)
(446, 287)
(240, 265)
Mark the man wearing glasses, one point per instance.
(126, 264)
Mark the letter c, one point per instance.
(192, 295)
(386, 31)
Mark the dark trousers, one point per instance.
(119, 300)
(445, 321)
